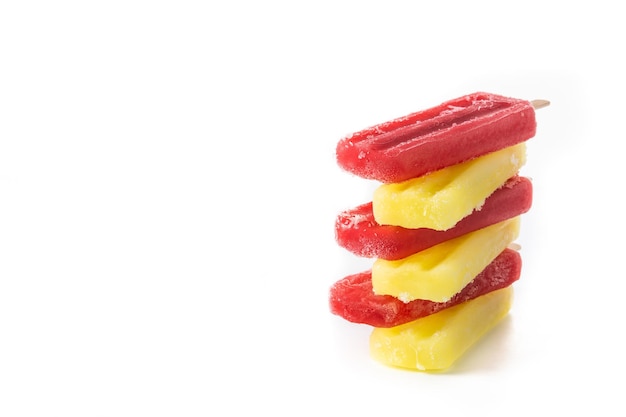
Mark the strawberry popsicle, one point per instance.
(357, 230)
(353, 297)
(450, 133)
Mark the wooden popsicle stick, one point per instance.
(539, 104)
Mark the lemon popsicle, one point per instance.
(440, 199)
(353, 298)
(357, 231)
(436, 342)
(438, 273)
(429, 140)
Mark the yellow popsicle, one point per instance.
(435, 342)
(440, 199)
(443, 270)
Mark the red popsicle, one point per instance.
(429, 140)
(353, 297)
(357, 231)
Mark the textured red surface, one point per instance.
(357, 231)
(353, 297)
(432, 139)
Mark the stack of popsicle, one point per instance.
(441, 225)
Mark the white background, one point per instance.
(168, 190)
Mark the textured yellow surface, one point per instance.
(442, 198)
(443, 270)
(435, 342)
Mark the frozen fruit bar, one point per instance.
(435, 342)
(357, 230)
(438, 273)
(429, 140)
(353, 298)
(440, 199)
